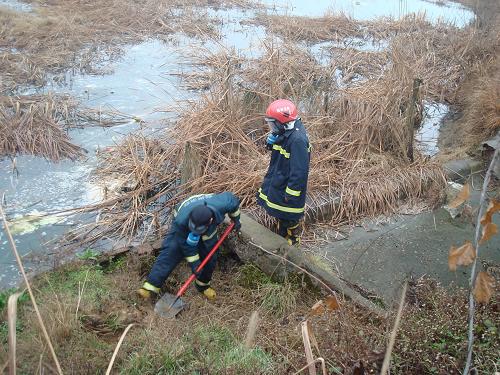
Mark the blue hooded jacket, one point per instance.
(220, 204)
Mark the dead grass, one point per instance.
(478, 96)
(340, 28)
(431, 338)
(61, 35)
(73, 36)
(481, 118)
(310, 29)
(214, 343)
(33, 127)
(358, 135)
(38, 125)
(484, 104)
(433, 335)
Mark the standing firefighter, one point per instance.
(192, 235)
(283, 192)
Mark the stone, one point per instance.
(144, 249)
(460, 170)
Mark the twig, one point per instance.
(392, 340)
(251, 330)
(28, 286)
(12, 318)
(110, 366)
(80, 293)
(323, 366)
(308, 348)
(473, 275)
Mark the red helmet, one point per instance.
(282, 110)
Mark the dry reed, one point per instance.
(12, 324)
(313, 30)
(358, 148)
(38, 124)
(84, 35)
(354, 108)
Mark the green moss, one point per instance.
(251, 277)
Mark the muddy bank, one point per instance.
(87, 306)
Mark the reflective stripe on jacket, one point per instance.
(283, 191)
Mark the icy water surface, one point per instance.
(141, 84)
(16, 5)
(370, 9)
(428, 133)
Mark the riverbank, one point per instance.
(87, 306)
(164, 83)
(355, 97)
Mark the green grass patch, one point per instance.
(88, 254)
(69, 281)
(164, 360)
(278, 299)
(4, 330)
(4, 298)
(115, 264)
(251, 277)
(206, 349)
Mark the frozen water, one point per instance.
(427, 134)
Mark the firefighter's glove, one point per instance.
(271, 139)
(193, 239)
(194, 266)
(237, 224)
(289, 198)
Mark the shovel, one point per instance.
(168, 306)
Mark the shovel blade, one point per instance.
(164, 306)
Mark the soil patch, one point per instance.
(87, 307)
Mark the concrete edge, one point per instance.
(255, 237)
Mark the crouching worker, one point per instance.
(192, 235)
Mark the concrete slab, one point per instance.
(272, 254)
(381, 259)
(460, 170)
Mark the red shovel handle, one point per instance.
(206, 260)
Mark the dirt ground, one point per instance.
(87, 306)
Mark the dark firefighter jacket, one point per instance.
(220, 204)
(283, 191)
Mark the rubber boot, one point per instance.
(148, 291)
(293, 235)
(205, 289)
(209, 293)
